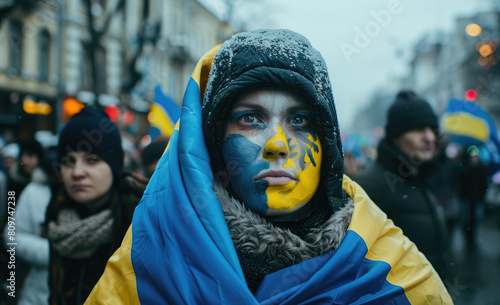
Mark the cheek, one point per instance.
(239, 153)
(305, 152)
(311, 156)
(104, 176)
(65, 175)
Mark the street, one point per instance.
(474, 277)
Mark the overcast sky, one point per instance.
(366, 43)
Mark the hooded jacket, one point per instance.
(284, 59)
(181, 247)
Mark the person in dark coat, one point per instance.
(396, 180)
(473, 182)
(88, 215)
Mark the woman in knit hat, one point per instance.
(87, 217)
(249, 204)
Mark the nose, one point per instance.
(429, 134)
(78, 169)
(277, 146)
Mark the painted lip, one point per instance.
(275, 177)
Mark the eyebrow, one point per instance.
(249, 104)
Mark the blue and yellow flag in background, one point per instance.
(178, 249)
(468, 124)
(163, 115)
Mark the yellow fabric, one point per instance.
(202, 69)
(409, 268)
(465, 124)
(158, 118)
(117, 285)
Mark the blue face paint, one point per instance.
(240, 156)
(305, 144)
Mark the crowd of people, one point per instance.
(253, 202)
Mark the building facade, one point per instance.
(463, 64)
(102, 52)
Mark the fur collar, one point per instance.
(254, 235)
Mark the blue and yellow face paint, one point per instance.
(272, 154)
(307, 153)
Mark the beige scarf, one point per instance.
(80, 238)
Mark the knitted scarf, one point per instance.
(264, 247)
(80, 238)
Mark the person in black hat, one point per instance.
(90, 212)
(396, 180)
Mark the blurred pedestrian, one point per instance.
(473, 182)
(88, 216)
(396, 181)
(28, 167)
(32, 249)
(130, 156)
(443, 180)
(151, 154)
(274, 226)
(351, 164)
(10, 155)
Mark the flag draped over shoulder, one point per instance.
(163, 114)
(468, 124)
(179, 250)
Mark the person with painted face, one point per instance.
(91, 209)
(249, 205)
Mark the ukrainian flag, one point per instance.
(468, 124)
(163, 114)
(179, 250)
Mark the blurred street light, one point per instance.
(473, 29)
(470, 95)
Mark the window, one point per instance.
(44, 55)
(15, 32)
(85, 69)
(100, 60)
(87, 80)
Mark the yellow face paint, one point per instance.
(293, 194)
(278, 144)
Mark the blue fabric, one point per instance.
(181, 243)
(344, 276)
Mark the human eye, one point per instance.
(67, 161)
(93, 159)
(299, 119)
(247, 117)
